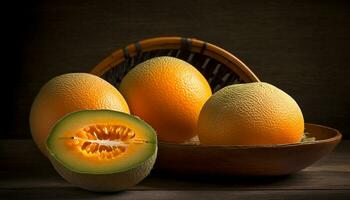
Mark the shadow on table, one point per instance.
(60, 193)
(158, 181)
(171, 181)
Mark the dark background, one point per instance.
(302, 47)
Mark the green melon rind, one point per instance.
(71, 116)
(108, 182)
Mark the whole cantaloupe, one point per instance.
(250, 114)
(168, 93)
(68, 93)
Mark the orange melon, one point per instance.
(250, 114)
(168, 93)
(68, 93)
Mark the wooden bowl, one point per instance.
(267, 160)
(220, 68)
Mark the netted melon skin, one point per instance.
(106, 182)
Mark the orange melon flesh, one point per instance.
(101, 142)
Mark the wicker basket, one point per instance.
(218, 66)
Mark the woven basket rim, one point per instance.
(175, 42)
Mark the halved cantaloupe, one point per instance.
(102, 150)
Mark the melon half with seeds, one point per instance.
(102, 150)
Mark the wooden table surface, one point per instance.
(26, 174)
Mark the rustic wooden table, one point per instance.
(26, 174)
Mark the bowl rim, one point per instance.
(336, 138)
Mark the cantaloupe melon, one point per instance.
(250, 114)
(168, 93)
(69, 93)
(102, 150)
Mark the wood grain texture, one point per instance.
(301, 47)
(73, 193)
(25, 173)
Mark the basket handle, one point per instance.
(186, 44)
